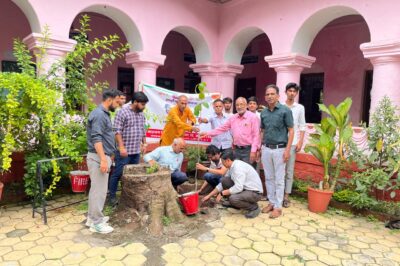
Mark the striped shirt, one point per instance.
(130, 125)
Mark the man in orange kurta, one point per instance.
(180, 119)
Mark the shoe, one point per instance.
(286, 203)
(113, 202)
(253, 213)
(227, 204)
(268, 208)
(275, 213)
(101, 228)
(89, 221)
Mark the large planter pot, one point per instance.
(318, 200)
(1, 189)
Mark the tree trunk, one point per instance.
(151, 195)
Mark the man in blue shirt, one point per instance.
(171, 157)
(224, 140)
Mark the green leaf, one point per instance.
(206, 105)
(347, 133)
(197, 110)
(323, 108)
(202, 96)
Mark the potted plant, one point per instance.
(332, 136)
(192, 155)
(380, 161)
(196, 153)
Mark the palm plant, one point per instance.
(333, 134)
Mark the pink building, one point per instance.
(334, 48)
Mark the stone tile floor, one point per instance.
(299, 237)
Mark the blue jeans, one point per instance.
(120, 162)
(178, 177)
(212, 179)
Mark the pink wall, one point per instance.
(13, 24)
(211, 28)
(337, 50)
(174, 47)
(264, 75)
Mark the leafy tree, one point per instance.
(41, 112)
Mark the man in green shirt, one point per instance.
(277, 137)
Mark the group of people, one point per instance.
(239, 143)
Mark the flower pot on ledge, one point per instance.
(318, 200)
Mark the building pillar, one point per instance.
(385, 57)
(145, 65)
(219, 77)
(288, 68)
(56, 49)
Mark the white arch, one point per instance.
(30, 14)
(197, 40)
(312, 25)
(125, 22)
(235, 49)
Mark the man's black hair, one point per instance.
(252, 99)
(227, 100)
(218, 101)
(212, 150)
(228, 155)
(292, 85)
(110, 93)
(139, 97)
(273, 86)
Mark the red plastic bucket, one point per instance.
(190, 202)
(79, 180)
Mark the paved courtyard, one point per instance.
(297, 238)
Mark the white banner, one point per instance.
(160, 102)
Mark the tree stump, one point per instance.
(151, 195)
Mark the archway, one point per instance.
(256, 73)
(182, 46)
(340, 69)
(249, 47)
(15, 25)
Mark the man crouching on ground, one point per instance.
(241, 185)
(171, 157)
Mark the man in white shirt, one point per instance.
(213, 173)
(292, 90)
(241, 184)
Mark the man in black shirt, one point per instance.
(101, 146)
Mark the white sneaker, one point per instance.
(102, 228)
(89, 221)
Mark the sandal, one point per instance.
(286, 203)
